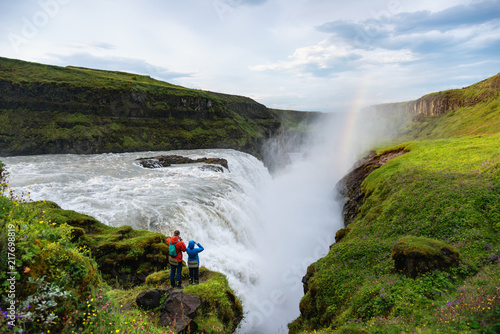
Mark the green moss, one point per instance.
(220, 306)
(422, 246)
(158, 278)
(125, 256)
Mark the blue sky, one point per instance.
(324, 55)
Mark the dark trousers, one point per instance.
(173, 269)
(194, 273)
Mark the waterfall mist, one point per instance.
(301, 211)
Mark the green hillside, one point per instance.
(421, 254)
(51, 109)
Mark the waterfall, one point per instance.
(261, 231)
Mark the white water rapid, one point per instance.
(261, 231)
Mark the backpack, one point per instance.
(171, 250)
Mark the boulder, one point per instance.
(414, 256)
(150, 299)
(168, 160)
(493, 258)
(212, 168)
(179, 310)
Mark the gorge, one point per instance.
(269, 232)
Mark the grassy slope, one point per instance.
(447, 189)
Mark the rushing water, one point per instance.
(260, 231)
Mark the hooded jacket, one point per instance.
(193, 252)
(180, 247)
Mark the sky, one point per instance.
(311, 55)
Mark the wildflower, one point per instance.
(27, 270)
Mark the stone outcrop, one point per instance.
(349, 187)
(150, 299)
(415, 256)
(179, 310)
(168, 160)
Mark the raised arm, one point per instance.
(200, 248)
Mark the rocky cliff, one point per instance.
(442, 102)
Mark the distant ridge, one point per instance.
(471, 110)
(51, 109)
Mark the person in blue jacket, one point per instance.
(194, 261)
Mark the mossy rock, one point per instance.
(158, 278)
(341, 234)
(220, 307)
(125, 256)
(414, 256)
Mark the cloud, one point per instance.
(328, 57)
(398, 38)
(387, 31)
(237, 3)
(449, 19)
(118, 64)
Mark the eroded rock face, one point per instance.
(168, 160)
(179, 310)
(349, 186)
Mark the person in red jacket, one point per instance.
(176, 262)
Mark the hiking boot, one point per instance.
(172, 283)
(178, 285)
